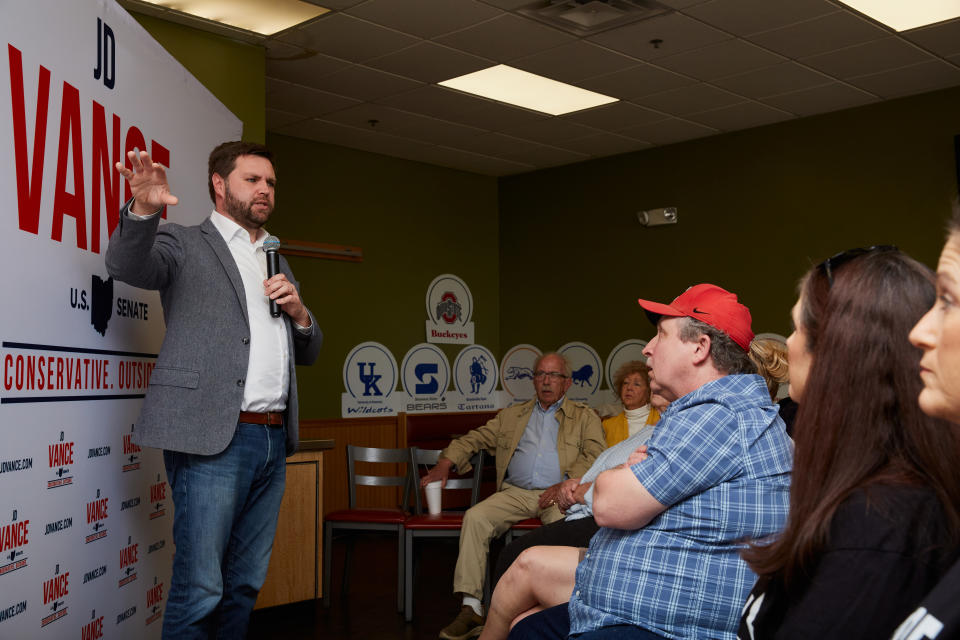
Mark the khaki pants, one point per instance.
(490, 519)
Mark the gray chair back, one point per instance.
(384, 456)
(429, 457)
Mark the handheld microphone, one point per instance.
(271, 246)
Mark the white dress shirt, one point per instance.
(268, 373)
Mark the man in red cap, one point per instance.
(716, 473)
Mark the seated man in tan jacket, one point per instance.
(539, 445)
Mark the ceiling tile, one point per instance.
(604, 144)
(295, 98)
(819, 35)
(456, 106)
(740, 116)
(669, 131)
(429, 62)
(277, 118)
(402, 123)
(508, 5)
(465, 161)
(870, 57)
(697, 97)
(676, 32)
(681, 4)
(362, 83)
(424, 18)
(722, 59)
(926, 76)
(744, 17)
(614, 116)
(942, 39)
(573, 62)
(544, 156)
(497, 144)
(633, 82)
(551, 130)
(506, 38)
(781, 78)
(348, 38)
(822, 99)
(306, 71)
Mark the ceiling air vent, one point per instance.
(588, 17)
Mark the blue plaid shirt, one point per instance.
(720, 460)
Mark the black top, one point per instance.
(888, 546)
(938, 615)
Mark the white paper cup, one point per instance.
(433, 491)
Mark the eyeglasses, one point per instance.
(553, 375)
(834, 262)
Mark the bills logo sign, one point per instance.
(14, 536)
(97, 518)
(449, 309)
(55, 591)
(60, 456)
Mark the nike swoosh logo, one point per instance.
(706, 313)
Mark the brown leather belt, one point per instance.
(271, 418)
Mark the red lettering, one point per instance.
(29, 182)
(70, 204)
(128, 445)
(7, 380)
(14, 535)
(128, 555)
(61, 454)
(158, 492)
(155, 595)
(92, 630)
(56, 587)
(102, 165)
(96, 510)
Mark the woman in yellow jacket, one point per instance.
(632, 380)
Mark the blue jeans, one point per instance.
(225, 516)
(554, 624)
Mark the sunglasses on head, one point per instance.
(833, 263)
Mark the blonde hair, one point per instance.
(770, 357)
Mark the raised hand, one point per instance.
(148, 183)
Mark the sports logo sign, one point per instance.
(475, 378)
(449, 309)
(587, 373)
(425, 376)
(516, 373)
(369, 377)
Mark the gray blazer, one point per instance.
(196, 388)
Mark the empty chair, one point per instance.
(369, 519)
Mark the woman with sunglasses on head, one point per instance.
(873, 502)
(938, 335)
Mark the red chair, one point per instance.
(446, 524)
(360, 519)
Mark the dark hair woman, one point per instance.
(938, 335)
(873, 516)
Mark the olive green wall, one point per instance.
(233, 71)
(413, 222)
(756, 209)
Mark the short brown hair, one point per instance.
(224, 156)
(627, 369)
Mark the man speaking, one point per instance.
(222, 400)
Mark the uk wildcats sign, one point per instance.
(84, 513)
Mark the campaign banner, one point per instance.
(85, 514)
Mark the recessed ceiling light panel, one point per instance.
(527, 90)
(903, 14)
(260, 16)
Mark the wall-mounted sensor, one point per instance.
(657, 217)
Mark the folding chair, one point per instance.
(362, 519)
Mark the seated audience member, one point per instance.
(770, 358)
(938, 335)
(537, 445)
(873, 516)
(665, 562)
(633, 384)
(576, 529)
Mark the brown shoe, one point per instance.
(466, 625)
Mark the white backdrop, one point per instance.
(85, 517)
